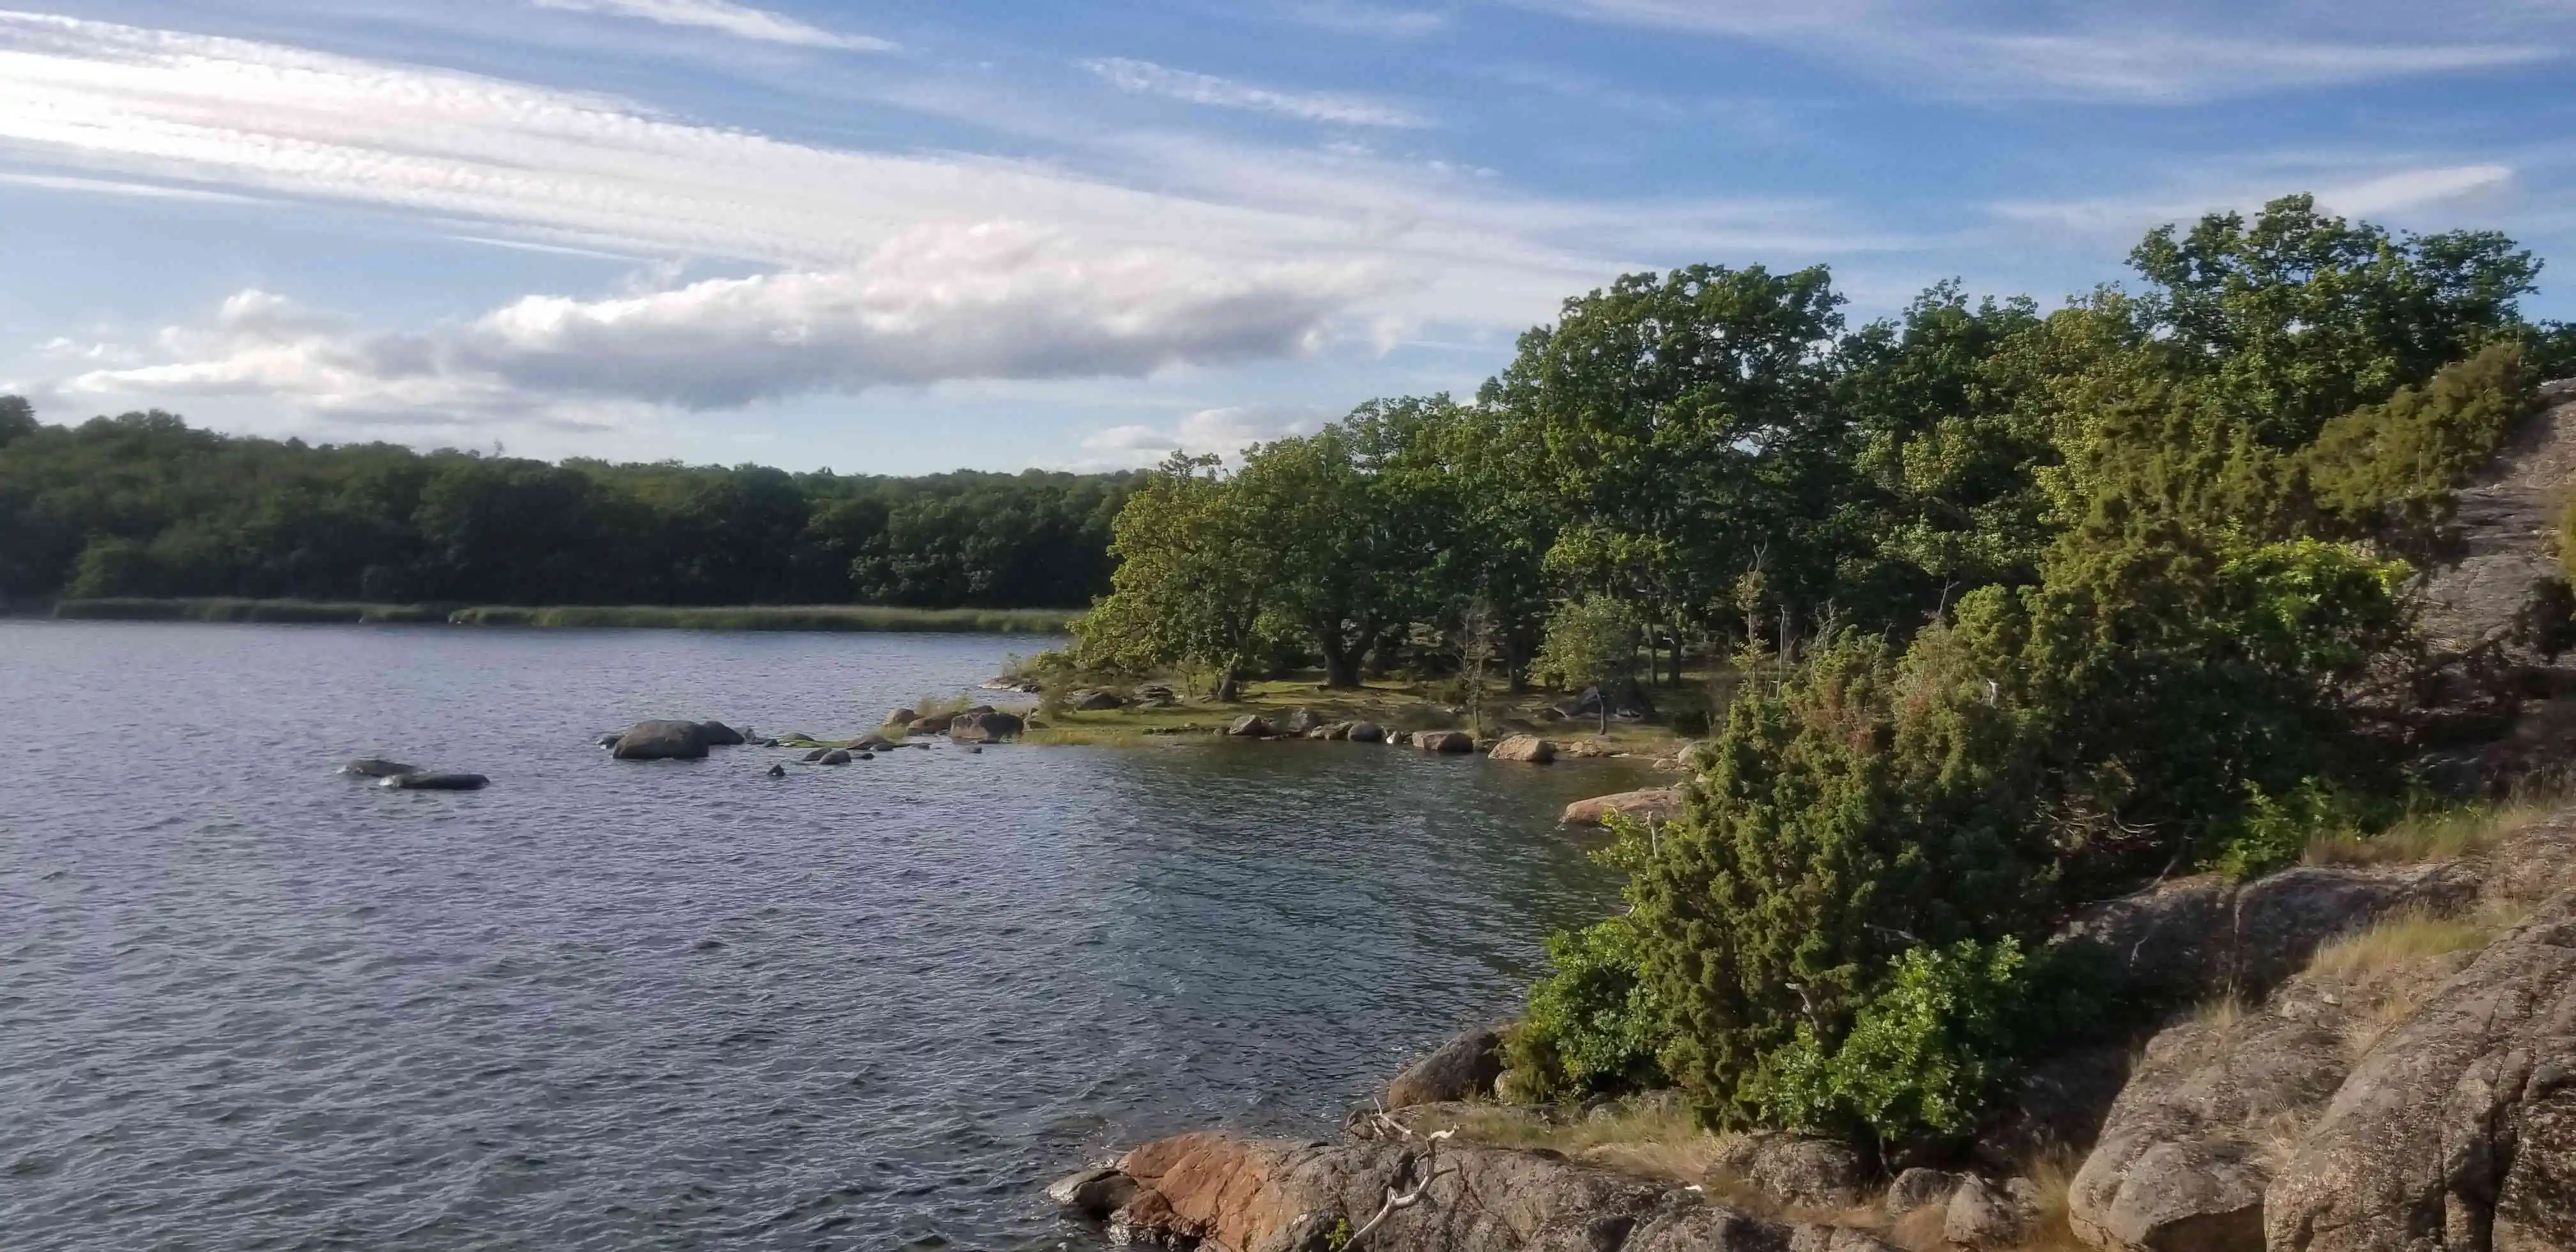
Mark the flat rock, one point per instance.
(1653, 804)
(442, 781)
(377, 767)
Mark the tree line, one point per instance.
(145, 505)
(2026, 608)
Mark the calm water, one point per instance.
(245, 1003)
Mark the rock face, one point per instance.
(1366, 732)
(377, 767)
(1250, 727)
(1214, 1191)
(660, 741)
(1653, 804)
(1448, 741)
(2458, 1130)
(2506, 516)
(1462, 1069)
(984, 727)
(1526, 748)
(1919, 1188)
(2176, 940)
(436, 782)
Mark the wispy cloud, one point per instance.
(740, 21)
(2000, 50)
(1147, 78)
(1366, 19)
(1225, 431)
(2399, 192)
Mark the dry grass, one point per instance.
(2399, 960)
(2220, 1014)
(2434, 836)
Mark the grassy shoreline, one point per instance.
(1394, 704)
(856, 618)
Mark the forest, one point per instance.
(2016, 609)
(145, 505)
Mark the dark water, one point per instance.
(245, 1003)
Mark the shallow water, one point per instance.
(246, 1003)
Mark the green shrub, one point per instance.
(1593, 1024)
(1929, 1049)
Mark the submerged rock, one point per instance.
(778, 771)
(660, 741)
(436, 782)
(377, 767)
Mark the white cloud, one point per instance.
(981, 302)
(1147, 78)
(2006, 50)
(1366, 19)
(1224, 431)
(740, 21)
(2400, 193)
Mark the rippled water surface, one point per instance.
(246, 1003)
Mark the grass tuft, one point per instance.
(2435, 836)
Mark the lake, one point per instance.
(248, 1003)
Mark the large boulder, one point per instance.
(930, 725)
(1365, 732)
(1250, 726)
(377, 767)
(1093, 700)
(2458, 1130)
(660, 741)
(1987, 1214)
(1462, 1069)
(719, 735)
(1797, 1169)
(1526, 748)
(2175, 940)
(1653, 804)
(1448, 741)
(1215, 1190)
(1301, 722)
(984, 727)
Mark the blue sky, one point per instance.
(911, 236)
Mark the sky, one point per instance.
(917, 235)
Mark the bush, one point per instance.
(1929, 1049)
(1593, 1024)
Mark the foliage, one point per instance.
(144, 505)
(1195, 570)
(2390, 468)
(1591, 641)
(1593, 1025)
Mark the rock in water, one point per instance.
(817, 755)
(1527, 748)
(660, 741)
(1450, 741)
(610, 739)
(1366, 732)
(903, 717)
(929, 725)
(1462, 1069)
(719, 735)
(837, 756)
(778, 771)
(1093, 1194)
(436, 782)
(377, 767)
(873, 743)
(1653, 804)
(985, 727)
(1250, 727)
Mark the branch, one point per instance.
(1406, 1199)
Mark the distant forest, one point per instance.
(145, 505)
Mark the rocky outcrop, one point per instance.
(1986, 1214)
(1797, 1169)
(1920, 1188)
(1525, 748)
(1654, 804)
(2176, 940)
(377, 767)
(660, 741)
(1445, 741)
(1462, 1069)
(1214, 1190)
(2458, 1131)
(2506, 520)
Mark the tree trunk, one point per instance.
(1341, 661)
(1228, 683)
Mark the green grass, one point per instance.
(2438, 835)
(825, 617)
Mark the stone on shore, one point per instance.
(1299, 723)
(984, 727)
(930, 725)
(1252, 726)
(1464, 1068)
(1365, 732)
(1093, 700)
(377, 767)
(1525, 748)
(1448, 741)
(1653, 804)
(660, 741)
(904, 716)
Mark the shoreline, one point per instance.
(819, 619)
